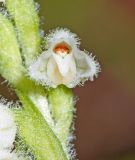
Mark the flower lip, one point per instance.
(62, 48)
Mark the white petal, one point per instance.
(70, 76)
(53, 72)
(63, 63)
(7, 128)
(7, 137)
(61, 34)
(39, 66)
(38, 70)
(6, 155)
(2, 1)
(86, 65)
(55, 75)
(6, 119)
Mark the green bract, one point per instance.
(27, 25)
(61, 103)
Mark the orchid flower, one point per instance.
(42, 124)
(63, 62)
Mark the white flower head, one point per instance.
(63, 62)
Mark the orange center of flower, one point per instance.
(62, 48)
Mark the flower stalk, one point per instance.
(43, 81)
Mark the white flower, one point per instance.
(63, 62)
(7, 128)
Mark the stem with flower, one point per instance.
(44, 120)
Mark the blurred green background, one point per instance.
(106, 109)
(105, 123)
